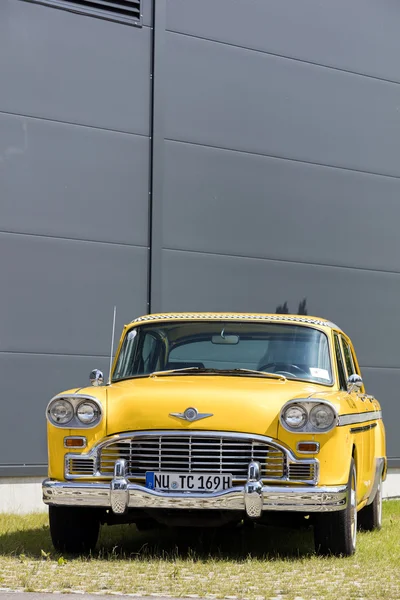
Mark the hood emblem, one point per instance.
(191, 414)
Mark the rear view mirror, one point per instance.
(225, 339)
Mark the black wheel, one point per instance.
(73, 529)
(147, 525)
(235, 525)
(370, 517)
(336, 532)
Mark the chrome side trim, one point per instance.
(274, 498)
(379, 466)
(363, 428)
(351, 419)
(94, 453)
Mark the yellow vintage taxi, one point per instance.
(218, 420)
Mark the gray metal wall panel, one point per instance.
(233, 98)
(217, 203)
(198, 281)
(384, 383)
(249, 205)
(231, 204)
(59, 294)
(147, 12)
(366, 308)
(74, 182)
(68, 67)
(361, 36)
(66, 81)
(28, 382)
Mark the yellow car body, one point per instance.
(331, 474)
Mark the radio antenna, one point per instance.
(112, 345)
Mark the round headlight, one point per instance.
(295, 416)
(61, 412)
(322, 417)
(87, 412)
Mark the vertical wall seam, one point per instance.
(156, 157)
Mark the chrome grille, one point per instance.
(302, 471)
(80, 466)
(193, 453)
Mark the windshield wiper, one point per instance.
(257, 373)
(210, 371)
(140, 376)
(166, 373)
(178, 371)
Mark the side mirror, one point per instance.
(354, 383)
(96, 377)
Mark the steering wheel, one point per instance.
(283, 368)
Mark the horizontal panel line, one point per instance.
(285, 158)
(14, 466)
(18, 352)
(282, 260)
(37, 118)
(370, 367)
(67, 239)
(286, 57)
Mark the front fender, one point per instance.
(334, 456)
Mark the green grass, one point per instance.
(262, 563)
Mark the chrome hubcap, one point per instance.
(353, 510)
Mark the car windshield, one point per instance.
(293, 351)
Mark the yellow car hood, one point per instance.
(245, 404)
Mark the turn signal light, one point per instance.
(309, 447)
(75, 442)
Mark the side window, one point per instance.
(340, 364)
(348, 359)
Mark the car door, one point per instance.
(355, 406)
(364, 434)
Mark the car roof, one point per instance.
(220, 316)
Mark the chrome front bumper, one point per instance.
(253, 497)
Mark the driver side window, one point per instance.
(340, 363)
(348, 358)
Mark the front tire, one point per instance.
(335, 533)
(370, 517)
(147, 525)
(74, 530)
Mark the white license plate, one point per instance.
(188, 482)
